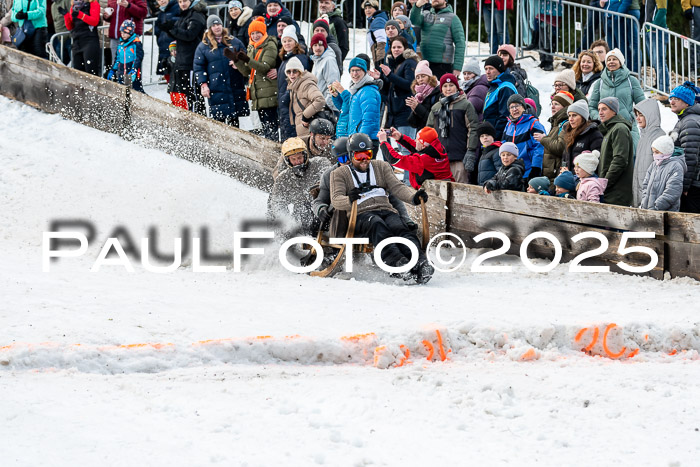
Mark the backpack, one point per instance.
(534, 94)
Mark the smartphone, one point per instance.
(388, 132)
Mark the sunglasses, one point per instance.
(360, 156)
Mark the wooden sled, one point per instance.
(368, 248)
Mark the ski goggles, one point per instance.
(344, 159)
(360, 156)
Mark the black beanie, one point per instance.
(485, 128)
(366, 58)
(496, 62)
(321, 23)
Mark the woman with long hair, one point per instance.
(82, 21)
(425, 94)
(580, 134)
(290, 48)
(587, 70)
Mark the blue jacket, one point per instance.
(496, 102)
(287, 129)
(129, 52)
(171, 12)
(227, 85)
(342, 102)
(365, 104)
(530, 151)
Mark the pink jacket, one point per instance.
(591, 189)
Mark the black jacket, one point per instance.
(187, 31)
(419, 116)
(686, 134)
(508, 178)
(585, 86)
(590, 140)
(398, 87)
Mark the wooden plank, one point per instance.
(580, 212)
(683, 227)
(469, 221)
(683, 259)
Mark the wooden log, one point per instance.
(682, 227)
(683, 259)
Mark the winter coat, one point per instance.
(326, 72)
(442, 36)
(342, 182)
(376, 36)
(520, 132)
(591, 189)
(584, 85)
(644, 156)
(337, 53)
(430, 163)
(306, 101)
(554, 145)
(85, 25)
(289, 188)
(489, 162)
(239, 27)
(339, 29)
(271, 22)
(59, 24)
(37, 14)
(686, 135)
(187, 31)
(520, 77)
(496, 102)
(342, 103)
(663, 185)
(616, 160)
(419, 116)
(461, 138)
(579, 95)
(625, 87)
(508, 178)
(263, 91)
(129, 56)
(226, 84)
(398, 87)
(135, 11)
(171, 12)
(364, 108)
(589, 140)
(287, 128)
(476, 94)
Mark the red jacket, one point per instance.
(136, 11)
(430, 163)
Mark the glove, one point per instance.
(110, 75)
(534, 173)
(242, 57)
(167, 25)
(62, 11)
(133, 74)
(21, 15)
(688, 13)
(469, 161)
(230, 54)
(354, 195)
(420, 195)
(660, 18)
(305, 119)
(325, 214)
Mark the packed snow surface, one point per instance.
(266, 367)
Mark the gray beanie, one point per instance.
(472, 66)
(580, 107)
(404, 19)
(612, 103)
(393, 22)
(517, 99)
(212, 20)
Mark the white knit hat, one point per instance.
(588, 161)
(294, 64)
(567, 77)
(617, 54)
(663, 144)
(290, 31)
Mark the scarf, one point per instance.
(444, 114)
(423, 91)
(257, 57)
(469, 82)
(660, 158)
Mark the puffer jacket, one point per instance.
(520, 133)
(442, 35)
(306, 101)
(326, 72)
(496, 102)
(616, 160)
(489, 162)
(508, 178)
(476, 94)
(663, 184)
(171, 12)
(398, 88)
(263, 91)
(621, 84)
(342, 102)
(287, 129)
(644, 155)
(554, 145)
(226, 84)
(239, 27)
(376, 36)
(591, 189)
(461, 140)
(187, 31)
(271, 21)
(590, 139)
(419, 116)
(364, 108)
(686, 135)
(37, 14)
(430, 163)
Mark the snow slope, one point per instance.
(176, 367)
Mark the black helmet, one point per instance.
(359, 142)
(321, 126)
(340, 147)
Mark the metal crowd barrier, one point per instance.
(670, 59)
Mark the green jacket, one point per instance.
(554, 145)
(617, 160)
(37, 13)
(442, 36)
(620, 84)
(263, 91)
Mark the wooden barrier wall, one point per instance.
(467, 211)
(149, 122)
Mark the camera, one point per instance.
(388, 132)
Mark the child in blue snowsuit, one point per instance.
(129, 57)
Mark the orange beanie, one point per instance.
(427, 135)
(258, 25)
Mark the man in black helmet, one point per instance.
(369, 183)
(318, 143)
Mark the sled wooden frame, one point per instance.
(367, 248)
